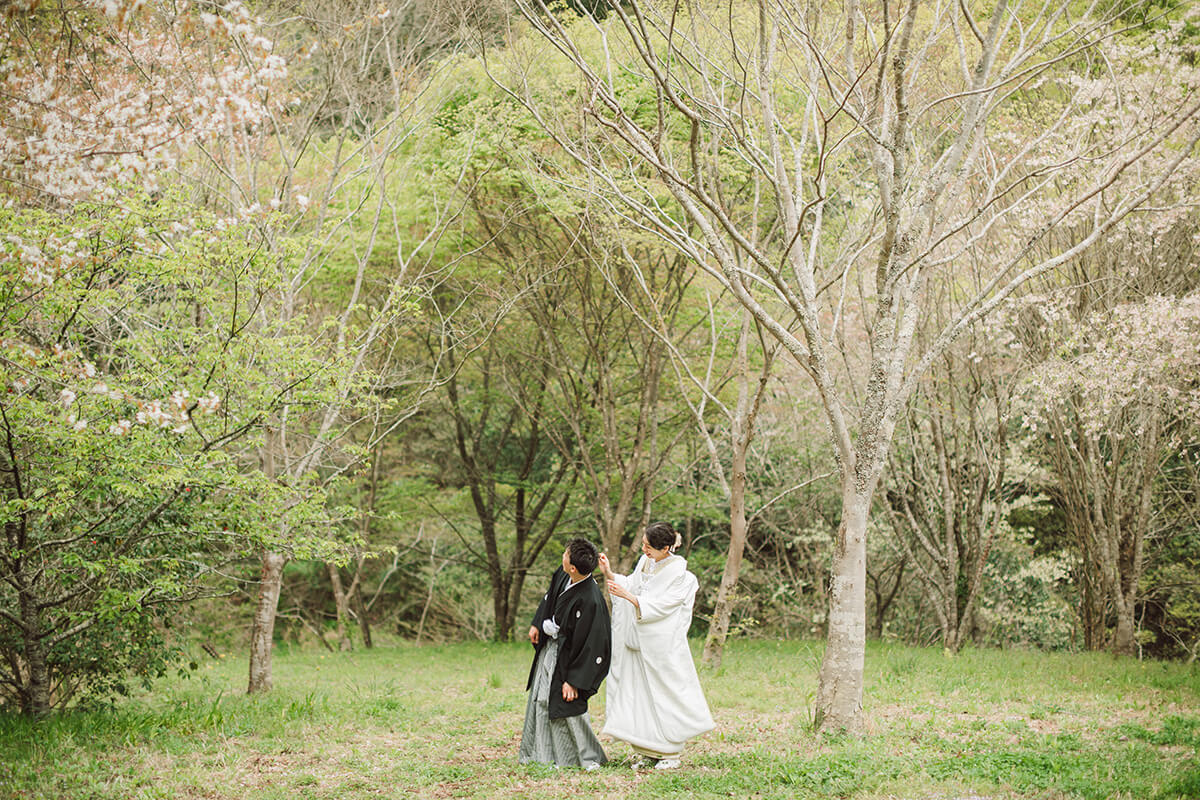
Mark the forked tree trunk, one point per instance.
(263, 633)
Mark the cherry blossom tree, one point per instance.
(189, 101)
(128, 382)
(128, 389)
(1115, 414)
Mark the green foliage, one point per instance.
(1176, 731)
(130, 375)
(1171, 613)
(1022, 603)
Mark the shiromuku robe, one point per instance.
(654, 700)
(579, 652)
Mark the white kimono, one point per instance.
(654, 700)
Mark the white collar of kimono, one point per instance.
(572, 584)
(650, 566)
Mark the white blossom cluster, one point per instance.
(1159, 77)
(77, 378)
(40, 264)
(79, 124)
(1134, 357)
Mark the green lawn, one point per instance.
(445, 721)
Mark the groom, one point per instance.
(572, 637)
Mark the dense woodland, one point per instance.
(323, 320)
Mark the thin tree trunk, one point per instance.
(36, 696)
(742, 430)
(742, 433)
(714, 645)
(360, 608)
(263, 633)
(342, 604)
(882, 602)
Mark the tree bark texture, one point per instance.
(840, 680)
(263, 631)
(35, 696)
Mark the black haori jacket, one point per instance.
(585, 641)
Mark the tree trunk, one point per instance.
(360, 609)
(840, 681)
(953, 635)
(342, 603)
(35, 698)
(741, 433)
(884, 599)
(263, 633)
(719, 630)
(501, 584)
(1091, 609)
(1123, 643)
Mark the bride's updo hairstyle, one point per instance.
(660, 535)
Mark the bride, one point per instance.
(654, 701)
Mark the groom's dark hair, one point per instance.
(583, 555)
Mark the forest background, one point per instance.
(326, 320)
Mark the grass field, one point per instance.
(445, 721)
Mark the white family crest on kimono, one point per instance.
(654, 698)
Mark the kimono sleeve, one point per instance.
(661, 601)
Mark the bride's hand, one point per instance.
(617, 590)
(605, 567)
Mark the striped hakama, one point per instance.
(567, 742)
